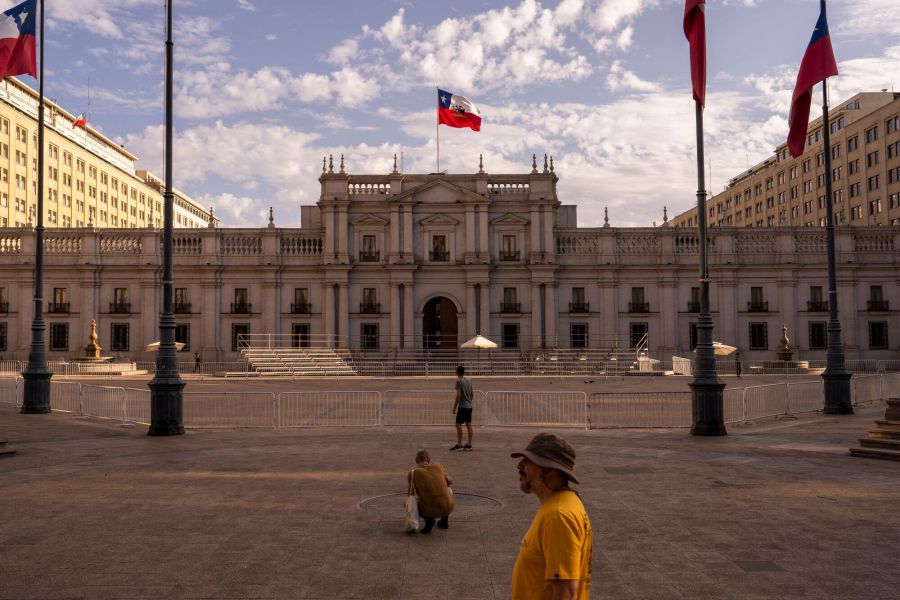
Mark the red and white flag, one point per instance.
(695, 32)
(80, 121)
(457, 111)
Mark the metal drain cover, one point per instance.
(465, 505)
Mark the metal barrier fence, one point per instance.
(427, 408)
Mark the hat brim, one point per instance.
(547, 463)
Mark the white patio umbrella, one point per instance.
(154, 347)
(479, 342)
(720, 349)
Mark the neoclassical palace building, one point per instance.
(404, 264)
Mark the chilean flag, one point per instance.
(80, 121)
(457, 111)
(17, 54)
(695, 32)
(817, 65)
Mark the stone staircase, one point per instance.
(6, 452)
(299, 362)
(883, 441)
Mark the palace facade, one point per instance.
(399, 264)
(88, 178)
(783, 191)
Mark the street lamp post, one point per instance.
(167, 387)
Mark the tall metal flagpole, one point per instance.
(836, 378)
(707, 401)
(166, 389)
(36, 398)
(437, 129)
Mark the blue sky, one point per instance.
(265, 88)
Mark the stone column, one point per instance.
(395, 316)
(484, 306)
(471, 328)
(535, 231)
(408, 232)
(549, 245)
(484, 246)
(409, 317)
(343, 314)
(395, 233)
(328, 223)
(551, 315)
(470, 230)
(536, 317)
(213, 328)
(328, 312)
(343, 245)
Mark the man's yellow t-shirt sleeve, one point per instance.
(561, 542)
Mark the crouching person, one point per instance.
(432, 486)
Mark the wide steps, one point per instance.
(876, 453)
(6, 452)
(883, 442)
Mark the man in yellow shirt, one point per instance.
(554, 560)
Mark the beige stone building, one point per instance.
(88, 179)
(783, 191)
(395, 265)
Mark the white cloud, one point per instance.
(611, 14)
(246, 5)
(343, 52)
(621, 79)
(271, 37)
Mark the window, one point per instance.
(807, 164)
(794, 172)
(509, 249)
(241, 302)
(892, 124)
(300, 335)
(878, 335)
(807, 186)
(120, 302)
(59, 337)
(578, 335)
(118, 335)
(510, 302)
(369, 301)
(638, 333)
(835, 174)
(509, 337)
(853, 143)
(893, 149)
(638, 303)
(874, 207)
(439, 250)
(759, 336)
(894, 175)
(874, 182)
(3, 337)
(239, 334)
(871, 134)
(853, 166)
(836, 151)
(872, 159)
(578, 304)
(369, 252)
(368, 333)
(818, 335)
(780, 178)
(301, 305)
(855, 189)
(855, 213)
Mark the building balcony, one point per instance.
(370, 308)
(510, 307)
(579, 307)
(120, 308)
(182, 308)
(879, 305)
(240, 308)
(301, 308)
(693, 306)
(369, 256)
(439, 256)
(510, 256)
(757, 306)
(639, 307)
(58, 307)
(817, 306)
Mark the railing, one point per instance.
(241, 308)
(757, 306)
(438, 256)
(370, 308)
(182, 308)
(369, 256)
(429, 407)
(58, 307)
(878, 305)
(120, 308)
(510, 255)
(638, 307)
(817, 306)
(301, 308)
(579, 307)
(510, 307)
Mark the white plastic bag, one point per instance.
(411, 507)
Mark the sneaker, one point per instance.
(457, 448)
(467, 447)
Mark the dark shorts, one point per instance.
(463, 415)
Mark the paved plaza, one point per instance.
(777, 509)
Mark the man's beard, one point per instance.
(524, 485)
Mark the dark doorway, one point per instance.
(439, 324)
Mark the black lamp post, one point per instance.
(36, 397)
(166, 389)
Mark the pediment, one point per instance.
(439, 219)
(438, 191)
(369, 219)
(509, 219)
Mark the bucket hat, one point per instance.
(552, 452)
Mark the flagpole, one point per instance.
(707, 401)
(836, 378)
(36, 397)
(437, 129)
(167, 387)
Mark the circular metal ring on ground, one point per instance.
(465, 505)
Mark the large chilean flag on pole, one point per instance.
(817, 65)
(17, 33)
(695, 32)
(457, 111)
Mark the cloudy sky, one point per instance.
(265, 88)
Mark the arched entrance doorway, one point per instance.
(439, 324)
